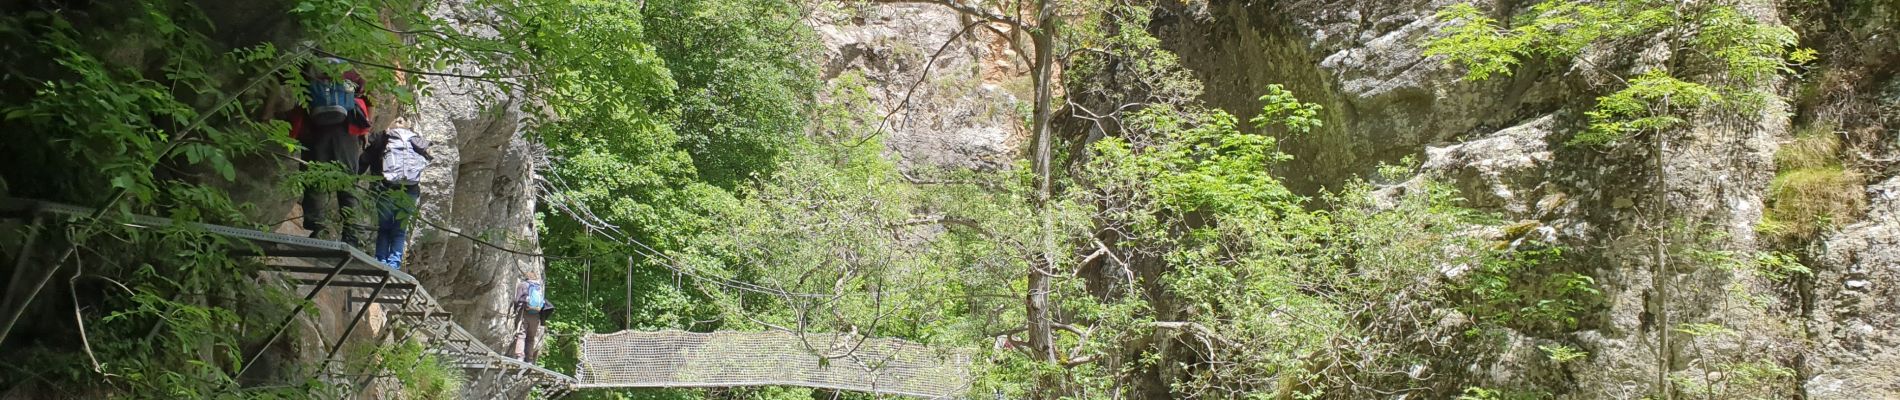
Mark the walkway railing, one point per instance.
(318, 265)
(628, 359)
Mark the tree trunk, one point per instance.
(1040, 326)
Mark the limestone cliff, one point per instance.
(474, 239)
(942, 98)
(1502, 143)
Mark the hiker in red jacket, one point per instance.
(331, 127)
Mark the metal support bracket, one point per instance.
(307, 298)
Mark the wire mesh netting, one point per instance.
(821, 360)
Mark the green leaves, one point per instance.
(1476, 42)
(1650, 103)
(1747, 51)
(1281, 108)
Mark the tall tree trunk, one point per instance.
(1040, 326)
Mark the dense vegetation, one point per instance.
(700, 176)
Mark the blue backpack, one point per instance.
(536, 299)
(332, 100)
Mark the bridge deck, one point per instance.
(722, 359)
(628, 359)
(313, 265)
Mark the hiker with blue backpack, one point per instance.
(531, 308)
(398, 156)
(331, 126)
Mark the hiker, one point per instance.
(531, 308)
(331, 127)
(397, 155)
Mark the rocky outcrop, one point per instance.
(1856, 288)
(1856, 328)
(1501, 142)
(480, 186)
(1360, 60)
(941, 98)
(478, 203)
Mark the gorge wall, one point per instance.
(1502, 143)
(943, 99)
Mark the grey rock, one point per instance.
(958, 110)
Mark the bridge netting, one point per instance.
(773, 358)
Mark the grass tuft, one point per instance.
(1813, 191)
(1804, 202)
(1813, 149)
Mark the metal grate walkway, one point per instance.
(318, 265)
(630, 359)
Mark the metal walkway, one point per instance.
(664, 359)
(319, 265)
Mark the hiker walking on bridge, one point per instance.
(531, 308)
(331, 126)
(397, 155)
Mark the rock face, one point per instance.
(1502, 143)
(1362, 62)
(943, 99)
(1857, 293)
(480, 186)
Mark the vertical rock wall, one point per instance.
(966, 112)
(1501, 142)
(480, 186)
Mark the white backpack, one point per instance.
(401, 163)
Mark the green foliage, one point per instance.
(1243, 257)
(649, 138)
(744, 81)
(1811, 148)
(1479, 393)
(1561, 353)
(1647, 105)
(420, 374)
(134, 108)
(1747, 376)
(1553, 29)
(1804, 202)
(1283, 109)
(1741, 50)
(1813, 191)
(1779, 266)
(1482, 393)
(1517, 289)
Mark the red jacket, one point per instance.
(356, 129)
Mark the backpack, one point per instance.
(332, 100)
(401, 161)
(536, 299)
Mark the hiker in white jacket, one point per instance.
(398, 155)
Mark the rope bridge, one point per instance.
(775, 358)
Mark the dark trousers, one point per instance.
(330, 144)
(395, 204)
(527, 335)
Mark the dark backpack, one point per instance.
(332, 100)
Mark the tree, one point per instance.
(1733, 58)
